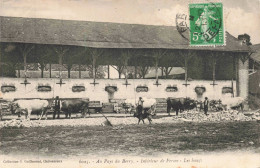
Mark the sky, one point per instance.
(240, 16)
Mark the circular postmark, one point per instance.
(181, 24)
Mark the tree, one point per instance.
(44, 55)
(75, 55)
(12, 59)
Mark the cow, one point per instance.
(130, 104)
(145, 113)
(233, 103)
(180, 104)
(27, 106)
(74, 105)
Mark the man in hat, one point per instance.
(56, 107)
(206, 106)
(140, 104)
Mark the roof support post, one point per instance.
(186, 70)
(233, 74)
(79, 70)
(50, 70)
(186, 57)
(213, 56)
(157, 55)
(95, 54)
(126, 55)
(61, 52)
(108, 72)
(135, 72)
(25, 50)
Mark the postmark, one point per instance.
(206, 24)
(181, 24)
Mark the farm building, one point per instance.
(218, 71)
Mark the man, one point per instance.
(140, 104)
(206, 106)
(56, 107)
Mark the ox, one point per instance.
(27, 106)
(130, 104)
(74, 105)
(233, 103)
(180, 104)
(148, 113)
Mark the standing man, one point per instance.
(206, 106)
(56, 107)
(140, 105)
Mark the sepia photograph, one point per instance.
(130, 83)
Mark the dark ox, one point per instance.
(145, 113)
(74, 106)
(180, 104)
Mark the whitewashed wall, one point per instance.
(98, 92)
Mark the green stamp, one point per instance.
(206, 24)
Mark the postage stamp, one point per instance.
(206, 24)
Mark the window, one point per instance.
(44, 88)
(141, 89)
(8, 88)
(226, 90)
(78, 88)
(171, 89)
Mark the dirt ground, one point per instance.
(132, 140)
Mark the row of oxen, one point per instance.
(42, 107)
(68, 106)
(182, 104)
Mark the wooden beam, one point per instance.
(213, 69)
(50, 70)
(79, 70)
(135, 72)
(108, 72)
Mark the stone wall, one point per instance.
(82, 88)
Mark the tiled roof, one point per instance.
(101, 34)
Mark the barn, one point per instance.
(213, 71)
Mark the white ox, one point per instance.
(27, 106)
(147, 104)
(233, 102)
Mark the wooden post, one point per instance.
(214, 70)
(156, 68)
(108, 72)
(50, 70)
(94, 68)
(135, 72)
(60, 66)
(186, 68)
(126, 56)
(233, 74)
(25, 65)
(162, 71)
(79, 70)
